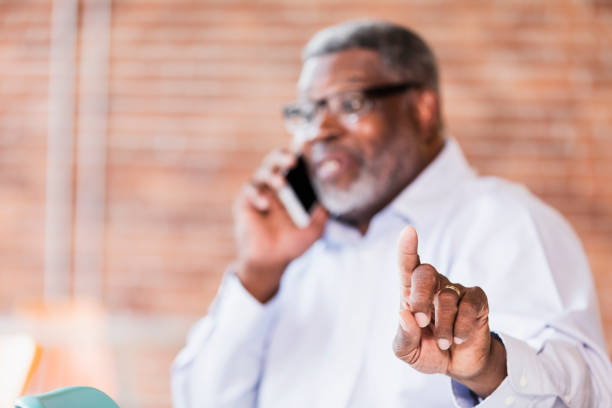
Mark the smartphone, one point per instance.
(298, 196)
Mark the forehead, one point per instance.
(334, 72)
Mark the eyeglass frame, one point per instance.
(370, 94)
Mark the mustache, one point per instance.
(318, 152)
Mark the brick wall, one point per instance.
(24, 63)
(193, 104)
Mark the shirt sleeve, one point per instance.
(545, 311)
(564, 373)
(222, 362)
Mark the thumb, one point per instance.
(408, 252)
(408, 338)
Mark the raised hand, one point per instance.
(443, 326)
(267, 238)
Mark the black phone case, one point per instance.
(299, 181)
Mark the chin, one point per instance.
(353, 199)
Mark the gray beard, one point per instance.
(360, 194)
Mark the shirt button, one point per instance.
(568, 398)
(509, 400)
(523, 381)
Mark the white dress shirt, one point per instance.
(325, 339)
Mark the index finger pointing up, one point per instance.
(408, 254)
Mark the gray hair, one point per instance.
(401, 49)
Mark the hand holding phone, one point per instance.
(266, 212)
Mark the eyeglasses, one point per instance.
(347, 106)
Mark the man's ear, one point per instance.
(427, 111)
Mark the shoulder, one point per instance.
(502, 202)
(500, 219)
(489, 214)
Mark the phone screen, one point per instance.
(298, 196)
(299, 181)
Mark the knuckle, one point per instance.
(278, 179)
(421, 294)
(468, 309)
(445, 316)
(444, 323)
(464, 324)
(277, 160)
(419, 305)
(427, 270)
(263, 172)
(477, 299)
(448, 298)
(266, 167)
(424, 276)
(479, 292)
(448, 311)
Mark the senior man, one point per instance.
(345, 312)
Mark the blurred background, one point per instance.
(127, 127)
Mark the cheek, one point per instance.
(388, 145)
(373, 137)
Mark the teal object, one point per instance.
(68, 397)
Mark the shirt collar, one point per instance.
(444, 174)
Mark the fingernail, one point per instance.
(444, 344)
(458, 340)
(422, 319)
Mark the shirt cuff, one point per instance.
(235, 318)
(239, 315)
(525, 383)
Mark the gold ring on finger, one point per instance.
(453, 288)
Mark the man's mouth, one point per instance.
(330, 164)
(328, 168)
